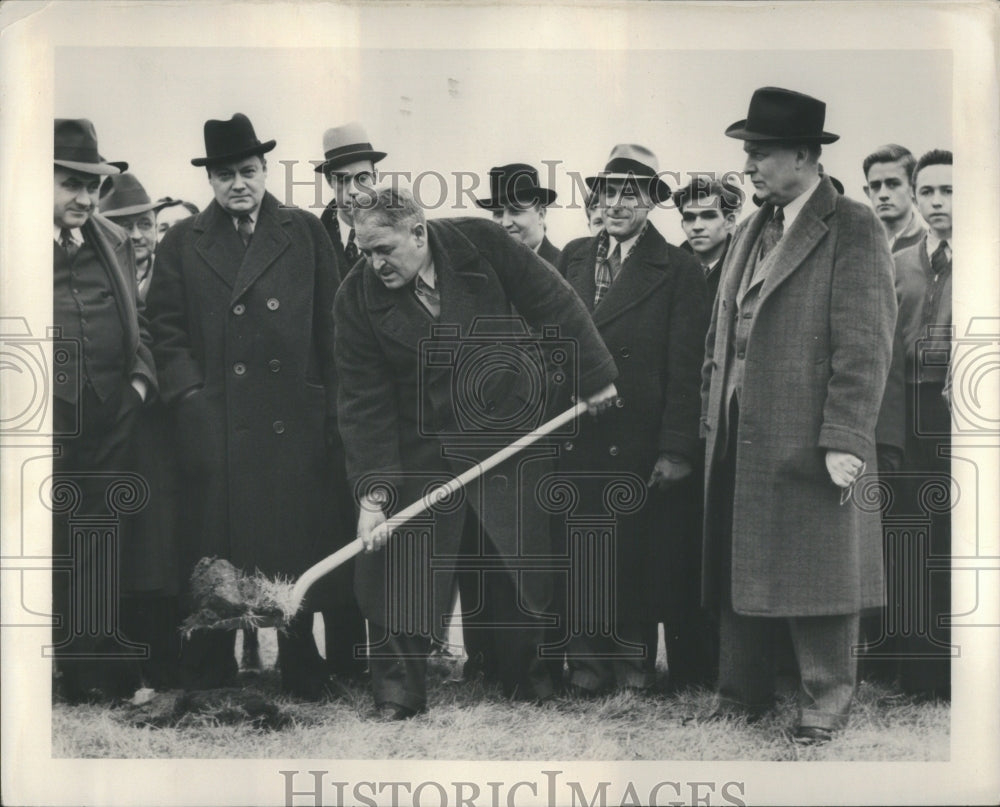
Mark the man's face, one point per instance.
(239, 186)
(168, 217)
(526, 224)
(350, 182)
(76, 196)
(595, 219)
(889, 190)
(396, 253)
(706, 225)
(773, 170)
(141, 230)
(626, 207)
(934, 198)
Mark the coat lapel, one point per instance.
(643, 271)
(268, 242)
(107, 243)
(580, 273)
(219, 244)
(456, 262)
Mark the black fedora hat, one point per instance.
(778, 114)
(76, 147)
(230, 140)
(633, 163)
(515, 185)
(346, 144)
(127, 197)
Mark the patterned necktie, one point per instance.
(244, 226)
(773, 231)
(351, 251)
(940, 262)
(606, 272)
(429, 296)
(67, 243)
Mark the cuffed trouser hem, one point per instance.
(810, 718)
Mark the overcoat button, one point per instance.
(239, 368)
(613, 451)
(741, 355)
(278, 426)
(568, 445)
(625, 352)
(239, 309)
(272, 303)
(619, 402)
(275, 365)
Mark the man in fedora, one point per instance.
(349, 168)
(97, 397)
(241, 307)
(800, 344)
(518, 204)
(649, 303)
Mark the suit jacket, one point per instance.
(712, 278)
(114, 256)
(817, 357)
(927, 345)
(414, 410)
(250, 332)
(653, 320)
(547, 251)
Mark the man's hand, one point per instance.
(141, 387)
(843, 468)
(669, 468)
(371, 525)
(600, 401)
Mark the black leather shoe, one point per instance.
(811, 736)
(390, 712)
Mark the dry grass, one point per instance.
(470, 722)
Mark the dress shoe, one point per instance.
(390, 712)
(811, 736)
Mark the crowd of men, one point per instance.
(285, 382)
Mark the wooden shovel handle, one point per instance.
(345, 553)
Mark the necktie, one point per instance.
(606, 272)
(429, 296)
(940, 262)
(67, 243)
(351, 251)
(244, 226)
(773, 231)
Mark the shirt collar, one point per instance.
(626, 245)
(74, 232)
(428, 275)
(933, 241)
(251, 216)
(794, 207)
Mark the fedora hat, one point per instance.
(76, 147)
(515, 185)
(631, 162)
(346, 144)
(230, 140)
(126, 197)
(778, 114)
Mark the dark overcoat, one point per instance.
(816, 364)
(653, 320)
(401, 415)
(252, 333)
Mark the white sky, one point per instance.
(467, 110)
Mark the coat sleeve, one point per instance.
(367, 404)
(862, 324)
(167, 308)
(687, 322)
(543, 298)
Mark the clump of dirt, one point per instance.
(214, 707)
(225, 598)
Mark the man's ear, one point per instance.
(730, 221)
(541, 212)
(865, 190)
(419, 231)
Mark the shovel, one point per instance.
(225, 598)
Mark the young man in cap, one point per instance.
(649, 303)
(801, 340)
(888, 177)
(518, 204)
(406, 426)
(95, 398)
(924, 289)
(709, 208)
(349, 168)
(241, 308)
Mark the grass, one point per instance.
(473, 722)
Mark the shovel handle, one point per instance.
(345, 553)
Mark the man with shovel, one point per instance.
(434, 375)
